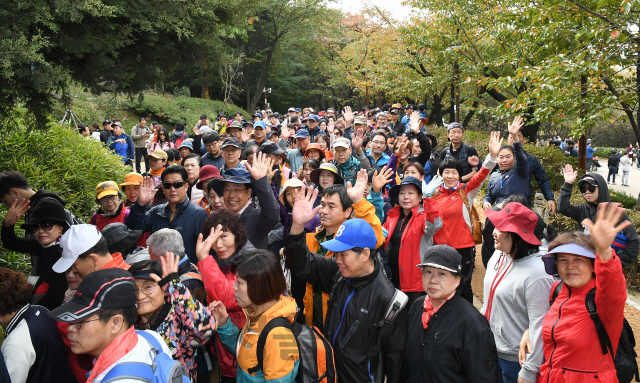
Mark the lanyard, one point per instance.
(494, 286)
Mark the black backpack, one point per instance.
(625, 360)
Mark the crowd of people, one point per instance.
(360, 225)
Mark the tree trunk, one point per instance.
(262, 80)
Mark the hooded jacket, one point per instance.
(626, 244)
(280, 350)
(358, 304)
(349, 170)
(572, 349)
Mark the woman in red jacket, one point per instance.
(572, 349)
(456, 217)
(222, 240)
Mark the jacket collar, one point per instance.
(359, 283)
(166, 210)
(582, 290)
(16, 319)
(109, 216)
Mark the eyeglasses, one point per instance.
(78, 325)
(45, 226)
(233, 191)
(146, 289)
(584, 188)
(109, 198)
(378, 142)
(176, 185)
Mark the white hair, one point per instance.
(164, 241)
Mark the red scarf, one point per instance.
(118, 348)
(429, 309)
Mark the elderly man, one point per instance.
(295, 157)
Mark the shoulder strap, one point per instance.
(262, 340)
(397, 303)
(132, 371)
(556, 291)
(153, 342)
(605, 342)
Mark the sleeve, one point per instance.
(564, 203)
(364, 161)
(522, 165)
(269, 210)
(135, 136)
(611, 295)
(314, 269)
(130, 148)
(490, 197)
(541, 179)
(229, 336)
(479, 353)
(111, 143)
(216, 284)
(365, 210)
(425, 148)
(630, 254)
(537, 302)
(11, 241)
(393, 164)
(378, 203)
(197, 144)
(19, 354)
(139, 219)
(193, 314)
(393, 347)
(279, 364)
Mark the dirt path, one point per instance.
(632, 315)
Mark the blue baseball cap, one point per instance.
(355, 232)
(314, 117)
(259, 124)
(298, 110)
(302, 133)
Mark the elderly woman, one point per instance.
(47, 222)
(216, 201)
(112, 208)
(166, 307)
(589, 270)
(258, 289)
(515, 271)
(449, 340)
(325, 176)
(223, 239)
(315, 152)
(193, 163)
(131, 188)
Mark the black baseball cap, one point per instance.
(442, 257)
(230, 141)
(106, 122)
(102, 289)
(270, 147)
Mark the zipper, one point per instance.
(351, 331)
(583, 372)
(553, 329)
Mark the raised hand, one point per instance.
(569, 175)
(261, 165)
(607, 226)
(494, 144)
(219, 312)
(272, 172)
(16, 211)
(303, 210)
(380, 179)
(404, 141)
(435, 182)
(330, 127)
(551, 205)
(415, 122)
(473, 161)
(196, 130)
(514, 128)
(358, 140)
(147, 191)
(356, 192)
(348, 115)
(204, 246)
(169, 263)
(245, 135)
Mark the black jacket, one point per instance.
(357, 306)
(260, 221)
(614, 161)
(588, 210)
(458, 345)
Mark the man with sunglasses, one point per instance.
(177, 213)
(461, 151)
(595, 191)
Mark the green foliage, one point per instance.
(605, 152)
(182, 92)
(628, 201)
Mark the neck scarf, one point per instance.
(225, 264)
(429, 309)
(156, 173)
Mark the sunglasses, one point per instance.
(585, 187)
(45, 226)
(176, 185)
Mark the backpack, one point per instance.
(625, 359)
(179, 140)
(163, 369)
(316, 363)
(476, 226)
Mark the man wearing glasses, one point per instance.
(212, 143)
(177, 213)
(461, 151)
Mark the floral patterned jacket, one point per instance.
(183, 322)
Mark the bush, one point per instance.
(605, 152)
(182, 91)
(628, 201)
(60, 160)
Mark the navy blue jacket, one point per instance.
(187, 220)
(513, 181)
(33, 349)
(207, 158)
(536, 170)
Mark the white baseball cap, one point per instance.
(77, 240)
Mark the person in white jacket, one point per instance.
(625, 165)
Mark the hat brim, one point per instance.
(315, 177)
(150, 156)
(549, 258)
(127, 242)
(130, 183)
(423, 265)
(63, 265)
(227, 145)
(501, 222)
(206, 181)
(72, 312)
(28, 226)
(145, 274)
(395, 190)
(336, 246)
(107, 193)
(218, 187)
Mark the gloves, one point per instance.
(427, 191)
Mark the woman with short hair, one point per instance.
(192, 163)
(258, 289)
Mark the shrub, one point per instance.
(605, 152)
(182, 91)
(628, 201)
(60, 160)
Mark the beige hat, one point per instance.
(159, 154)
(342, 143)
(291, 183)
(362, 120)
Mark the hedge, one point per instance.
(59, 160)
